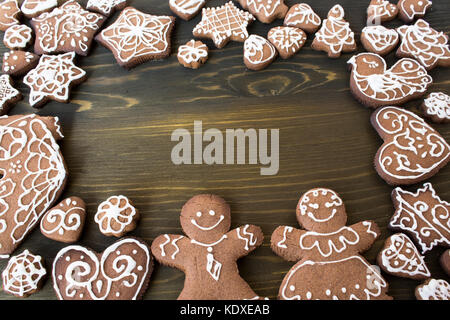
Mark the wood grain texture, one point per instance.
(117, 141)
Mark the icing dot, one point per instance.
(209, 249)
(117, 294)
(292, 288)
(134, 251)
(60, 277)
(139, 268)
(81, 295)
(357, 286)
(211, 212)
(344, 290)
(67, 258)
(118, 252)
(328, 292)
(308, 295)
(199, 214)
(82, 257)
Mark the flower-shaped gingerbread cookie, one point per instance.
(209, 252)
(193, 54)
(437, 107)
(302, 16)
(18, 36)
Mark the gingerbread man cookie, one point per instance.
(265, 11)
(433, 289)
(18, 36)
(193, 54)
(106, 7)
(335, 35)
(258, 52)
(33, 8)
(373, 85)
(302, 16)
(9, 14)
(8, 94)
(380, 11)
(17, 63)
(209, 252)
(412, 9)
(379, 40)
(437, 107)
(186, 9)
(445, 261)
(329, 265)
(121, 272)
(287, 40)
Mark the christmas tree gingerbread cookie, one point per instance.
(209, 252)
(329, 265)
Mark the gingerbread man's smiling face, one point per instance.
(205, 218)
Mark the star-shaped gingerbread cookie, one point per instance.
(8, 94)
(9, 13)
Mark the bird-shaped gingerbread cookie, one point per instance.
(330, 266)
(209, 252)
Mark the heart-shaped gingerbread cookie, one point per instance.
(121, 272)
(412, 150)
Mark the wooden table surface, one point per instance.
(117, 141)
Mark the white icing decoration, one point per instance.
(114, 214)
(379, 9)
(188, 7)
(435, 290)
(174, 243)
(380, 38)
(266, 7)
(248, 237)
(61, 220)
(210, 227)
(33, 7)
(254, 50)
(10, 11)
(17, 36)
(368, 224)
(105, 6)
(302, 13)
(287, 38)
(438, 104)
(282, 242)
(7, 93)
(189, 53)
(412, 10)
(304, 204)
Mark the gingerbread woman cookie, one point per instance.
(379, 40)
(258, 52)
(437, 107)
(302, 16)
(192, 54)
(209, 252)
(18, 36)
(412, 9)
(433, 289)
(106, 7)
(287, 40)
(186, 9)
(380, 11)
(445, 261)
(265, 11)
(9, 14)
(8, 94)
(329, 265)
(17, 63)
(33, 8)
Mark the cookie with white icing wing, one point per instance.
(380, 11)
(258, 52)
(8, 94)
(287, 40)
(265, 11)
(121, 272)
(433, 289)
(412, 9)
(302, 16)
(17, 62)
(401, 258)
(33, 8)
(106, 7)
(379, 40)
(192, 54)
(18, 36)
(436, 107)
(186, 9)
(445, 261)
(9, 14)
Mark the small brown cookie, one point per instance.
(380, 11)
(18, 36)
(433, 289)
(33, 8)
(258, 52)
(335, 35)
(116, 216)
(426, 45)
(445, 261)
(121, 272)
(401, 258)
(412, 9)
(18, 63)
(223, 24)
(136, 37)
(265, 11)
(106, 7)
(436, 107)
(373, 85)
(45, 85)
(65, 221)
(66, 28)
(8, 94)
(423, 215)
(302, 16)
(24, 275)
(9, 14)
(379, 40)
(186, 9)
(209, 252)
(193, 54)
(287, 40)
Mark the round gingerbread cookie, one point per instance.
(192, 54)
(17, 63)
(258, 52)
(436, 107)
(18, 36)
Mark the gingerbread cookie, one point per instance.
(437, 107)
(379, 40)
(373, 85)
(193, 54)
(335, 35)
(43, 83)
(445, 261)
(17, 63)
(106, 7)
(401, 258)
(186, 9)
(9, 14)
(209, 252)
(18, 36)
(380, 11)
(423, 215)
(223, 24)
(65, 29)
(302, 16)
(258, 52)
(136, 37)
(8, 94)
(425, 44)
(24, 275)
(116, 216)
(34, 175)
(329, 265)
(412, 150)
(33, 8)
(412, 9)
(265, 11)
(121, 272)
(65, 221)
(287, 40)
(433, 289)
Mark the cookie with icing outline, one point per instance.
(436, 107)
(266, 11)
(335, 35)
(400, 257)
(9, 14)
(379, 40)
(8, 94)
(208, 252)
(45, 86)
(34, 175)
(412, 9)
(106, 7)
(327, 252)
(152, 40)
(380, 11)
(373, 85)
(302, 16)
(287, 40)
(65, 221)
(258, 52)
(24, 275)
(18, 36)
(433, 289)
(193, 54)
(33, 8)
(121, 272)
(186, 9)
(445, 261)
(17, 62)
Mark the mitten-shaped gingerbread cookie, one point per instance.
(208, 254)
(330, 265)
